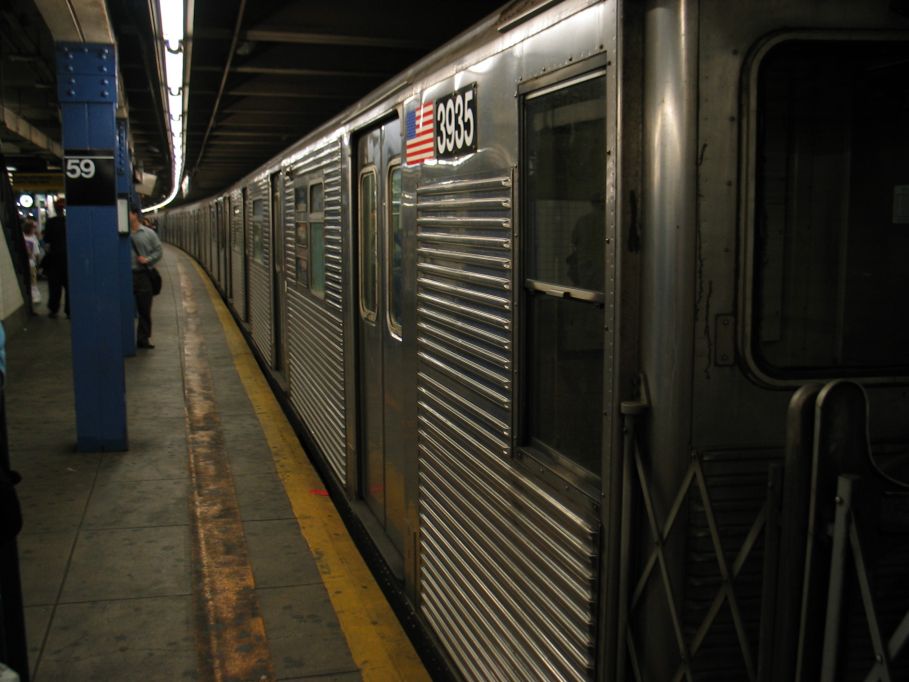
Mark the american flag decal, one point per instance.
(420, 136)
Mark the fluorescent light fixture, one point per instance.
(173, 70)
(175, 104)
(172, 28)
(172, 14)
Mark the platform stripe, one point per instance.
(377, 642)
(230, 630)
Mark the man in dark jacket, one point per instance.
(54, 262)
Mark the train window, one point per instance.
(236, 229)
(830, 230)
(368, 244)
(317, 240)
(395, 250)
(564, 151)
(258, 230)
(301, 234)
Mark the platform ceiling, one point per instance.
(263, 74)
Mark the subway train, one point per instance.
(596, 319)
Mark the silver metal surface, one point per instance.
(260, 280)
(485, 566)
(669, 230)
(315, 332)
(503, 556)
(238, 257)
(281, 232)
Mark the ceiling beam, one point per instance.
(289, 71)
(27, 131)
(77, 21)
(267, 34)
(241, 11)
(256, 135)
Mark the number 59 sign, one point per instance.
(90, 177)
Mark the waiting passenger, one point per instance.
(35, 253)
(146, 252)
(55, 266)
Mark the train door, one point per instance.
(246, 254)
(380, 351)
(219, 227)
(225, 256)
(216, 263)
(279, 286)
(209, 239)
(228, 249)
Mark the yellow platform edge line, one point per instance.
(377, 642)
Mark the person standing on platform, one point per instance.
(35, 254)
(146, 252)
(55, 260)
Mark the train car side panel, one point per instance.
(504, 538)
(259, 262)
(238, 255)
(315, 331)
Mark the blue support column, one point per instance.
(87, 92)
(124, 189)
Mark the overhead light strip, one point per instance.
(172, 32)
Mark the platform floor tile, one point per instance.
(303, 632)
(129, 563)
(130, 639)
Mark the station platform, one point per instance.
(210, 550)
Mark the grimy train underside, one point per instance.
(596, 317)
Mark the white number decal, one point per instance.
(449, 125)
(468, 118)
(459, 116)
(440, 139)
(80, 168)
(456, 124)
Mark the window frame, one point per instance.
(252, 231)
(557, 464)
(304, 182)
(236, 244)
(310, 216)
(746, 328)
(300, 183)
(396, 329)
(365, 313)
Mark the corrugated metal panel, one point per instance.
(238, 288)
(507, 567)
(260, 313)
(315, 328)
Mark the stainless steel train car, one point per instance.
(596, 318)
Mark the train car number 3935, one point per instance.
(456, 123)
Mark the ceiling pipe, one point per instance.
(230, 58)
